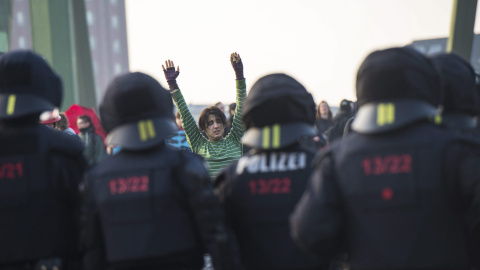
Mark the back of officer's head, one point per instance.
(396, 87)
(278, 99)
(397, 73)
(136, 111)
(28, 85)
(460, 93)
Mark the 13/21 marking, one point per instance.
(11, 170)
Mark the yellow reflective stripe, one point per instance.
(11, 104)
(276, 135)
(146, 130)
(266, 137)
(142, 131)
(385, 113)
(438, 119)
(151, 129)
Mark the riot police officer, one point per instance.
(149, 206)
(40, 170)
(460, 93)
(461, 107)
(259, 191)
(400, 192)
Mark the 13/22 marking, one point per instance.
(269, 186)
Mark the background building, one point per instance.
(108, 40)
(107, 36)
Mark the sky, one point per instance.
(318, 42)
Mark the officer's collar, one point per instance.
(384, 116)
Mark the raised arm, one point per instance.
(237, 126)
(191, 130)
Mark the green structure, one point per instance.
(5, 19)
(460, 40)
(60, 34)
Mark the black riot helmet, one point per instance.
(136, 112)
(460, 93)
(278, 111)
(28, 85)
(395, 87)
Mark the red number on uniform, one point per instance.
(113, 186)
(406, 162)
(394, 166)
(122, 185)
(367, 166)
(270, 186)
(276, 185)
(132, 184)
(286, 185)
(253, 187)
(391, 164)
(144, 183)
(11, 170)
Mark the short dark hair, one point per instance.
(203, 118)
(63, 123)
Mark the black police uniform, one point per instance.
(461, 107)
(40, 170)
(260, 190)
(149, 206)
(399, 192)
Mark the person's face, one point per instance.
(324, 109)
(214, 128)
(82, 124)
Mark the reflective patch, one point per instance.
(146, 130)
(275, 140)
(11, 104)
(266, 137)
(276, 136)
(385, 113)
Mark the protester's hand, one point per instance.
(170, 74)
(237, 65)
